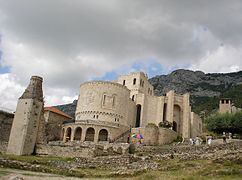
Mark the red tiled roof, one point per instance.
(57, 111)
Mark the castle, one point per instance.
(106, 112)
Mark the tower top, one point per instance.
(34, 89)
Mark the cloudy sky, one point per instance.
(70, 41)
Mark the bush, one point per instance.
(151, 125)
(165, 124)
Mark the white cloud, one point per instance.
(10, 91)
(223, 59)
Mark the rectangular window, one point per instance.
(123, 82)
(134, 81)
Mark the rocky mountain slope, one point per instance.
(205, 89)
(68, 108)
(196, 83)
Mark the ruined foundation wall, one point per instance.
(74, 149)
(154, 135)
(166, 136)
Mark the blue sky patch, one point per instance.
(3, 69)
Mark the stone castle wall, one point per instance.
(6, 120)
(196, 124)
(54, 125)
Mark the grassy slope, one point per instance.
(199, 169)
(169, 169)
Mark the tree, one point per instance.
(225, 123)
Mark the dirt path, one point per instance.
(14, 174)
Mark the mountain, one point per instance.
(69, 109)
(205, 89)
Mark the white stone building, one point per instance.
(107, 111)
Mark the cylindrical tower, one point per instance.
(104, 102)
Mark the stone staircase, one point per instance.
(122, 138)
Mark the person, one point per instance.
(128, 139)
(209, 140)
(198, 140)
(224, 137)
(191, 141)
(230, 135)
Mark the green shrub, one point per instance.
(165, 124)
(151, 125)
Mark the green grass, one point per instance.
(199, 169)
(35, 158)
(3, 173)
(168, 169)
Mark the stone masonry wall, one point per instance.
(166, 136)
(77, 149)
(6, 120)
(154, 135)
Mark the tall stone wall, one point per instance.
(54, 125)
(27, 119)
(196, 124)
(6, 120)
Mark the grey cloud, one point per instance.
(118, 31)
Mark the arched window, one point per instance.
(103, 135)
(123, 82)
(133, 98)
(78, 134)
(174, 126)
(90, 134)
(68, 134)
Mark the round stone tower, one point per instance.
(104, 101)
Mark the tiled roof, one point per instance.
(57, 111)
